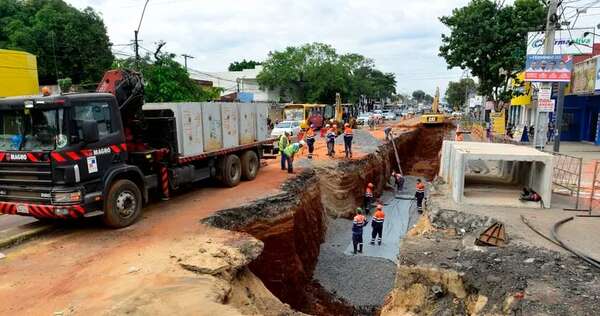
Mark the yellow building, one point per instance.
(18, 73)
(520, 109)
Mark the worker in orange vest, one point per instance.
(348, 135)
(358, 223)
(310, 140)
(377, 225)
(368, 198)
(420, 195)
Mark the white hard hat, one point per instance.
(302, 143)
(327, 125)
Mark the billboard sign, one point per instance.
(584, 76)
(548, 68)
(566, 42)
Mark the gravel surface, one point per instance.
(360, 280)
(363, 140)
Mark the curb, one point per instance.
(16, 239)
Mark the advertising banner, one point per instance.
(524, 90)
(548, 68)
(545, 102)
(566, 42)
(498, 122)
(584, 76)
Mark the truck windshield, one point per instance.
(32, 129)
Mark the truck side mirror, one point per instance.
(90, 132)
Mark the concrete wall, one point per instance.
(511, 167)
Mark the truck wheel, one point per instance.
(123, 204)
(231, 171)
(250, 165)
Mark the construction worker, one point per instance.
(310, 140)
(348, 135)
(358, 223)
(377, 225)
(290, 151)
(368, 198)
(284, 141)
(399, 180)
(420, 195)
(330, 141)
(459, 134)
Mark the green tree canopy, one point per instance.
(419, 95)
(244, 64)
(167, 81)
(56, 31)
(490, 39)
(457, 92)
(315, 72)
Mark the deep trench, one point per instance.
(292, 225)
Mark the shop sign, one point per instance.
(584, 76)
(566, 42)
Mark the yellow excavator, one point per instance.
(434, 117)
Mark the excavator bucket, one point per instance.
(493, 236)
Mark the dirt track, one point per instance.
(74, 268)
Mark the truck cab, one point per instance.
(58, 153)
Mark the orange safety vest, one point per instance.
(359, 219)
(347, 131)
(379, 216)
(310, 134)
(369, 192)
(420, 187)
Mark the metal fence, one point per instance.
(566, 175)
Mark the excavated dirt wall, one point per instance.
(292, 225)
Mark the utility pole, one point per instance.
(541, 118)
(136, 47)
(185, 58)
(135, 41)
(560, 102)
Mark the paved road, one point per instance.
(13, 221)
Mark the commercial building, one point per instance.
(520, 112)
(18, 73)
(238, 85)
(582, 105)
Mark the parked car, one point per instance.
(363, 118)
(389, 115)
(292, 127)
(378, 115)
(457, 114)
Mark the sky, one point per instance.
(403, 37)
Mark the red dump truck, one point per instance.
(104, 153)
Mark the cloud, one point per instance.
(402, 37)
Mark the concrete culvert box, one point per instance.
(495, 174)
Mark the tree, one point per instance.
(67, 42)
(315, 73)
(490, 39)
(428, 99)
(456, 94)
(167, 81)
(244, 64)
(418, 95)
